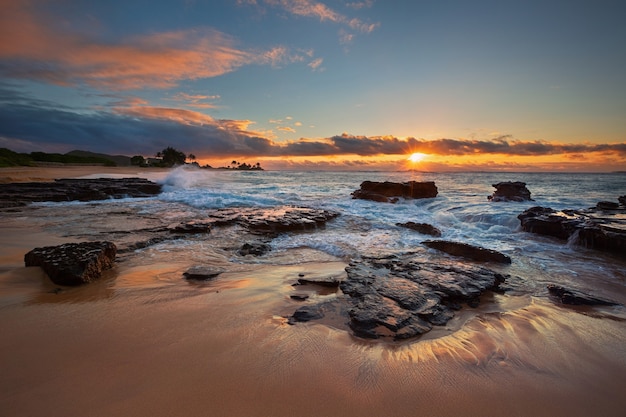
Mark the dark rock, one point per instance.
(324, 281)
(73, 263)
(592, 228)
(622, 200)
(510, 191)
(401, 298)
(191, 227)
(254, 249)
(78, 189)
(423, 228)
(389, 192)
(572, 297)
(299, 297)
(307, 313)
(607, 205)
(202, 273)
(272, 220)
(465, 250)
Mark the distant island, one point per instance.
(167, 158)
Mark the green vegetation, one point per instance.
(8, 158)
(167, 158)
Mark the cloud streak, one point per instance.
(39, 51)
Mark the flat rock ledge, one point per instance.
(465, 250)
(510, 191)
(73, 263)
(423, 228)
(272, 220)
(572, 297)
(390, 192)
(602, 227)
(398, 297)
(17, 194)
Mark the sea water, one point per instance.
(461, 211)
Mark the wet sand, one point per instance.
(143, 341)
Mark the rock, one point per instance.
(389, 192)
(465, 250)
(571, 297)
(622, 200)
(401, 298)
(254, 249)
(306, 313)
(592, 228)
(423, 228)
(272, 220)
(191, 227)
(78, 189)
(202, 273)
(607, 205)
(73, 263)
(510, 191)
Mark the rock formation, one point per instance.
(510, 191)
(73, 263)
(468, 251)
(400, 298)
(423, 228)
(596, 228)
(77, 190)
(390, 192)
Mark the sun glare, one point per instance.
(416, 157)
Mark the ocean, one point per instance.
(461, 211)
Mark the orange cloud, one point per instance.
(40, 51)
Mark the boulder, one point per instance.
(510, 191)
(572, 297)
(475, 253)
(594, 228)
(78, 190)
(390, 192)
(73, 263)
(423, 228)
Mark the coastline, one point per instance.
(144, 341)
(50, 173)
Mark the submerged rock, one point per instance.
(73, 263)
(399, 297)
(572, 297)
(510, 191)
(202, 273)
(595, 228)
(389, 192)
(78, 190)
(423, 228)
(475, 253)
(254, 249)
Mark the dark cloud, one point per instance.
(42, 125)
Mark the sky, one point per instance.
(502, 85)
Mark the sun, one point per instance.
(416, 157)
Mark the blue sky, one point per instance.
(295, 83)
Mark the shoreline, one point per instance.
(144, 341)
(51, 173)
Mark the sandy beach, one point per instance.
(50, 173)
(143, 341)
